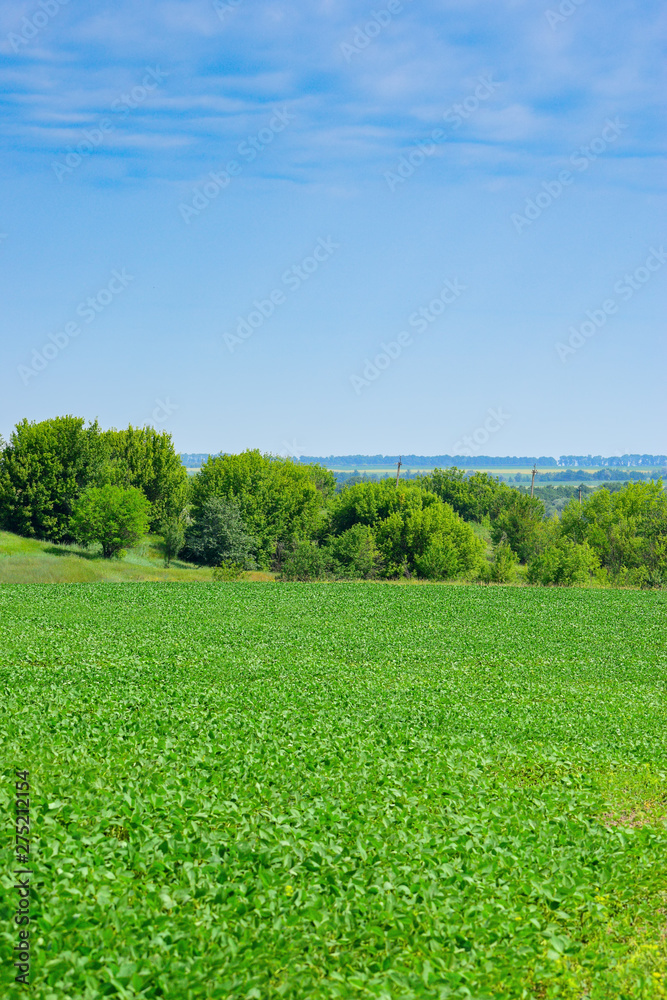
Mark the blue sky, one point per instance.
(336, 227)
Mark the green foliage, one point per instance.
(348, 791)
(627, 529)
(433, 542)
(472, 496)
(519, 523)
(438, 561)
(355, 555)
(563, 562)
(217, 534)
(47, 466)
(145, 458)
(369, 529)
(111, 516)
(412, 530)
(369, 503)
(503, 567)
(306, 561)
(43, 471)
(173, 538)
(280, 501)
(228, 572)
(352, 555)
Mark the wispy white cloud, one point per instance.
(557, 85)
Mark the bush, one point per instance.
(472, 495)
(147, 459)
(439, 561)
(505, 561)
(627, 529)
(354, 554)
(306, 561)
(113, 516)
(217, 535)
(520, 524)
(370, 503)
(279, 500)
(227, 572)
(434, 542)
(173, 538)
(564, 563)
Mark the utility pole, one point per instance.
(580, 496)
(532, 482)
(398, 469)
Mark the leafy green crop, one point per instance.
(344, 790)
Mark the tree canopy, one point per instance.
(43, 470)
(63, 479)
(48, 464)
(115, 517)
(279, 500)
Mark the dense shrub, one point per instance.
(114, 517)
(47, 466)
(279, 500)
(217, 534)
(433, 542)
(503, 567)
(306, 561)
(627, 528)
(519, 523)
(563, 562)
(354, 554)
(173, 538)
(472, 496)
(370, 503)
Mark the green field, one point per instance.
(348, 790)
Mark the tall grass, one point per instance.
(26, 560)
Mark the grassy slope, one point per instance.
(26, 560)
(339, 790)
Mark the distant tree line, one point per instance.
(67, 481)
(196, 460)
(488, 461)
(602, 475)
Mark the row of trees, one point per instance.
(477, 461)
(64, 481)
(47, 466)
